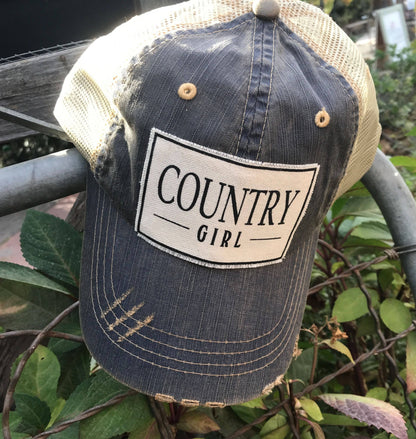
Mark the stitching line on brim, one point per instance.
(121, 337)
(195, 339)
(171, 346)
(293, 299)
(111, 308)
(167, 367)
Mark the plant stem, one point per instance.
(163, 424)
(347, 367)
(84, 415)
(8, 400)
(315, 358)
(288, 408)
(53, 334)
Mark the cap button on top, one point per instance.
(266, 9)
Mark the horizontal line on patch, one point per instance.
(170, 221)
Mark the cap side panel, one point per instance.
(369, 132)
(84, 105)
(149, 98)
(331, 43)
(105, 59)
(301, 76)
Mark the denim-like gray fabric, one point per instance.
(251, 75)
(193, 332)
(216, 335)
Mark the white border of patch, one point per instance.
(218, 210)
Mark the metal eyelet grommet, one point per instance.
(187, 91)
(322, 118)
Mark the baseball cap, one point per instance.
(218, 134)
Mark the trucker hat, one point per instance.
(218, 133)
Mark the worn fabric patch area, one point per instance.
(219, 210)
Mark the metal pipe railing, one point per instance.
(40, 180)
(398, 207)
(60, 174)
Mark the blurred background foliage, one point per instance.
(354, 372)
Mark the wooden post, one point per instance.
(31, 86)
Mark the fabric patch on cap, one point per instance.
(219, 210)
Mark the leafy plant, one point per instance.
(27, 148)
(394, 75)
(353, 374)
(347, 11)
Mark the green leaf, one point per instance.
(300, 369)
(255, 403)
(60, 346)
(75, 368)
(272, 424)
(306, 434)
(411, 362)
(26, 275)
(280, 433)
(364, 207)
(311, 408)
(410, 430)
(40, 376)
(372, 230)
(76, 401)
(396, 399)
(369, 410)
(35, 413)
(229, 423)
(328, 6)
(340, 347)
(377, 393)
(358, 190)
(352, 242)
(412, 132)
(336, 207)
(247, 414)
(52, 246)
(126, 416)
(390, 280)
(405, 161)
(72, 432)
(337, 265)
(395, 315)
(59, 405)
(331, 419)
(385, 265)
(15, 421)
(381, 436)
(365, 326)
(23, 306)
(103, 387)
(97, 389)
(149, 431)
(351, 304)
(17, 435)
(194, 421)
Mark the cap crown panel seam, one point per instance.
(349, 92)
